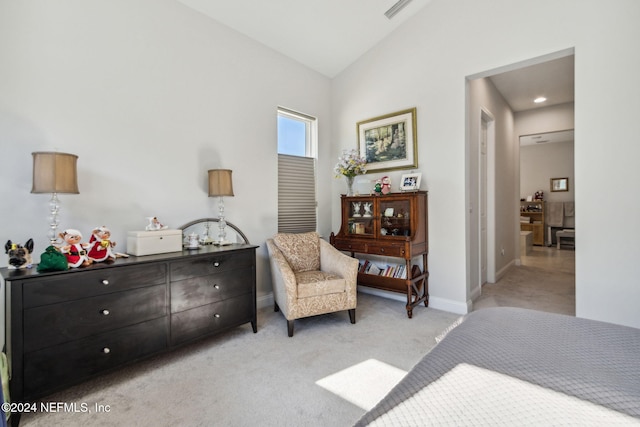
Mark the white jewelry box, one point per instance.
(141, 243)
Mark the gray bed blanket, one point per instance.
(593, 361)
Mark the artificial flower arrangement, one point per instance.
(350, 164)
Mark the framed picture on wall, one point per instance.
(389, 142)
(559, 184)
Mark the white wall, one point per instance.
(484, 98)
(547, 119)
(424, 64)
(150, 95)
(540, 163)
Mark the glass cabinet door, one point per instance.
(394, 218)
(360, 216)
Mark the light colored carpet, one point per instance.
(364, 384)
(266, 379)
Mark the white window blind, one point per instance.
(296, 194)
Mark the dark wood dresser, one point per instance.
(65, 327)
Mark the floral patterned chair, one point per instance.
(311, 277)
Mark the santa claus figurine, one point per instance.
(100, 245)
(74, 250)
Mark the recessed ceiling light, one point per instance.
(539, 99)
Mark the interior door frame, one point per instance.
(486, 117)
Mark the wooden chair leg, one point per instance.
(352, 315)
(290, 327)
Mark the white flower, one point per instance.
(350, 164)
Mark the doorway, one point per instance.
(546, 159)
(495, 91)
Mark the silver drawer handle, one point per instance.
(105, 282)
(216, 264)
(217, 316)
(216, 286)
(106, 350)
(105, 312)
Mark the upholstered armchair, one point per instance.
(311, 277)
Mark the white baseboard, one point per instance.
(475, 294)
(265, 301)
(434, 302)
(500, 273)
(451, 306)
(384, 294)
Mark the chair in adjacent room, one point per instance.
(311, 277)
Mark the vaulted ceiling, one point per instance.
(329, 35)
(325, 35)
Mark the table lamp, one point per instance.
(220, 185)
(54, 173)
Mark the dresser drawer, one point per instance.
(351, 246)
(58, 323)
(197, 291)
(191, 324)
(81, 284)
(205, 266)
(55, 367)
(387, 250)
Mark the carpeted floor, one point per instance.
(267, 379)
(264, 379)
(364, 384)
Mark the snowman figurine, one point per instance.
(386, 185)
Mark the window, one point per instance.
(296, 172)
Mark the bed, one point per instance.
(511, 366)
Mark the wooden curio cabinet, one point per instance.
(394, 225)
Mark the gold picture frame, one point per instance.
(389, 142)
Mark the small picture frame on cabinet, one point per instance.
(410, 182)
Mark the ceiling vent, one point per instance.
(393, 10)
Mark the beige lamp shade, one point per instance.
(54, 172)
(220, 183)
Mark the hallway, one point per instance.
(545, 281)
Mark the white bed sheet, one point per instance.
(472, 396)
